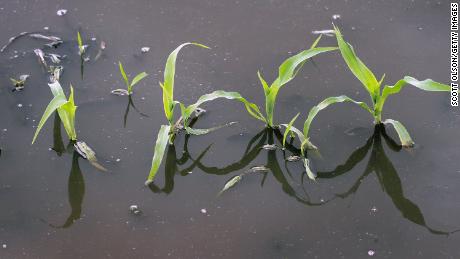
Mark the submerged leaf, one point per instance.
(258, 169)
(293, 158)
(230, 183)
(404, 137)
(13, 39)
(197, 132)
(306, 164)
(41, 57)
(270, 147)
(160, 146)
(120, 92)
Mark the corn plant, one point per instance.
(286, 72)
(81, 47)
(130, 85)
(64, 106)
(167, 132)
(373, 87)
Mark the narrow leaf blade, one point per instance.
(55, 103)
(160, 146)
(403, 134)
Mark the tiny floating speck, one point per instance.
(293, 158)
(371, 252)
(336, 16)
(203, 211)
(145, 49)
(61, 12)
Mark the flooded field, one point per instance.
(371, 198)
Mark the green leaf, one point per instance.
(55, 103)
(404, 137)
(168, 84)
(79, 40)
(250, 107)
(160, 146)
(287, 69)
(138, 78)
(264, 83)
(123, 74)
(286, 72)
(67, 114)
(357, 67)
(427, 85)
(324, 104)
(288, 129)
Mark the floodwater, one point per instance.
(371, 198)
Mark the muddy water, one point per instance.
(370, 195)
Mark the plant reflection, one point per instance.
(253, 150)
(386, 174)
(131, 104)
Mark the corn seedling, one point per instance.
(66, 110)
(167, 132)
(81, 47)
(65, 107)
(373, 87)
(129, 85)
(286, 72)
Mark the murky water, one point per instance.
(371, 197)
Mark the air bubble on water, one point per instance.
(204, 211)
(4, 246)
(19, 105)
(145, 49)
(336, 16)
(374, 209)
(46, 28)
(371, 252)
(118, 160)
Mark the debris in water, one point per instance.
(55, 58)
(374, 209)
(230, 183)
(118, 160)
(270, 147)
(13, 39)
(61, 12)
(293, 158)
(258, 169)
(134, 209)
(330, 33)
(336, 16)
(19, 84)
(54, 44)
(120, 92)
(20, 105)
(87, 153)
(41, 56)
(203, 211)
(101, 49)
(44, 37)
(145, 49)
(56, 72)
(4, 246)
(371, 252)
